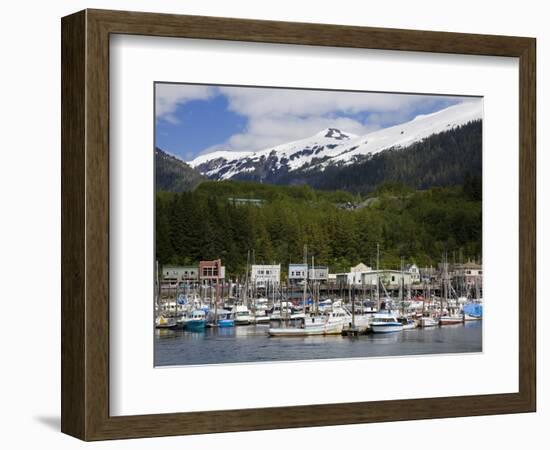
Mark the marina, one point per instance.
(212, 320)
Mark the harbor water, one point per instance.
(252, 344)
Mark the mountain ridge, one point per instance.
(332, 146)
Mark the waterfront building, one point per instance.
(354, 277)
(468, 275)
(391, 279)
(211, 271)
(318, 273)
(428, 274)
(414, 271)
(180, 273)
(297, 273)
(264, 275)
(172, 276)
(356, 273)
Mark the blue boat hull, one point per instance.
(226, 323)
(195, 325)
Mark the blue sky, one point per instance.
(196, 119)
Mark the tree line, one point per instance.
(339, 228)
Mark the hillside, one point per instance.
(174, 175)
(340, 229)
(443, 159)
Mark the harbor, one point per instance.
(309, 313)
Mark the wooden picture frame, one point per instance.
(85, 224)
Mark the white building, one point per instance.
(318, 273)
(414, 271)
(391, 279)
(469, 274)
(297, 272)
(263, 275)
(355, 276)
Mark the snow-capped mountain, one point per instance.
(331, 147)
(288, 157)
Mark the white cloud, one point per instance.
(255, 102)
(276, 116)
(169, 96)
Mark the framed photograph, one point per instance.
(273, 225)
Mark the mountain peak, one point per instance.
(335, 133)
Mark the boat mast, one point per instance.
(217, 293)
(158, 287)
(378, 277)
(313, 290)
(246, 277)
(305, 280)
(402, 289)
(363, 293)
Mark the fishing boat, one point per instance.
(281, 311)
(259, 311)
(471, 318)
(428, 322)
(452, 319)
(473, 312)
(359, 322)
(221, 319)
(196, 321)
(408, 323)
(316, 325)
(386, 323)
(260, 316)
(241, 315)
(165, 322)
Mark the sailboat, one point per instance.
(314, 324)
(452, 317)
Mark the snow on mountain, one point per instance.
(291, 156)
(332, 146)
(406, 134)
(219, 154)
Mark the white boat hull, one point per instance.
(427, 322)
(309, 330)
(243, 320)
(451, 320)
(468, 318)
(386, 328)
(261, 319)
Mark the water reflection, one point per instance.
(252, 343)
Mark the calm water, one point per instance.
(251, 343)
